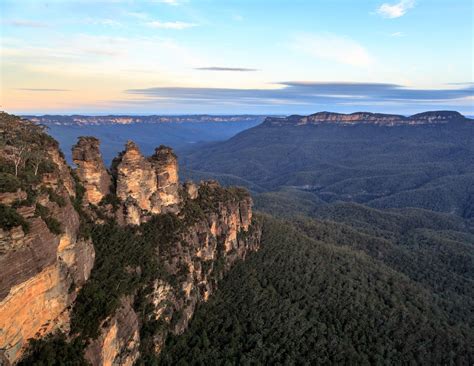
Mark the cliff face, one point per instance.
(194, 233)
(434, 117)
(43, 262)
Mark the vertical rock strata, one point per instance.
(91, 169)
(44, 259)
(146, 186)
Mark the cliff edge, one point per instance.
(100, 265)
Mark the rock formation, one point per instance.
(146, 186)
(165, 163)
(91, 169)
(45, 258)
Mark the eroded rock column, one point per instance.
(91, 169)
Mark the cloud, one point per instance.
(137, 15)
(170, 2)
(331, 47)
(104, 22)
(43, 90)
(177, 25)
(395, 10)
(218, 68)
(26, 23)
(306, 94)
(397, 34)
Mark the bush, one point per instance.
(56, 198)
(9, 183)
(53, 225)
(9, 219)
(52, 350)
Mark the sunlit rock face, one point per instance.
(146, 185)
(119, 341)
(45, 259)
(41, 269)
(91, 169)
(165, 163)
(381, 119)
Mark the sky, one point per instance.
(236, 56)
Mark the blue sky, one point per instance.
(229, 56)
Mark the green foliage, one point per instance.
(54, 350)
(56, 198)
(304, 301)
(126, 260)
(110, 199)
(9, 219)
(9, 183)
(385, 167)
(53, 225)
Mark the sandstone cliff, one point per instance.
(43, 261)
(91, 169)
(433, 117)
(160, 246)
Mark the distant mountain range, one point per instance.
(383, 161)
(434, 117)
(81, 120)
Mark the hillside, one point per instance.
(426, 164)
(99, 266)
(320, 300)
(372, 259)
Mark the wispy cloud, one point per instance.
(397, 34)
(305, 93)
(26, 23)
(395, 10)
(104, 22)
(219, 68)
(138, 15)
(170, 2)
(43, 90)
(332, 47)
(177, 25)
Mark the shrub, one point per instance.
(9, 219)
(53, 225)
(9, 183)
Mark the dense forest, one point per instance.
(316, 300)
(424, 166)
(367, 257)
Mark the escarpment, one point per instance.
(111, 261)
(380, 119)
(44, 260)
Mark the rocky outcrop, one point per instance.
(45, 259)
(91, 169)
(219, 231)
(119, 341)
(202, 255)
(136, 178)
(43, 262)
(146, 186)
(165, 163)
(367, 118)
